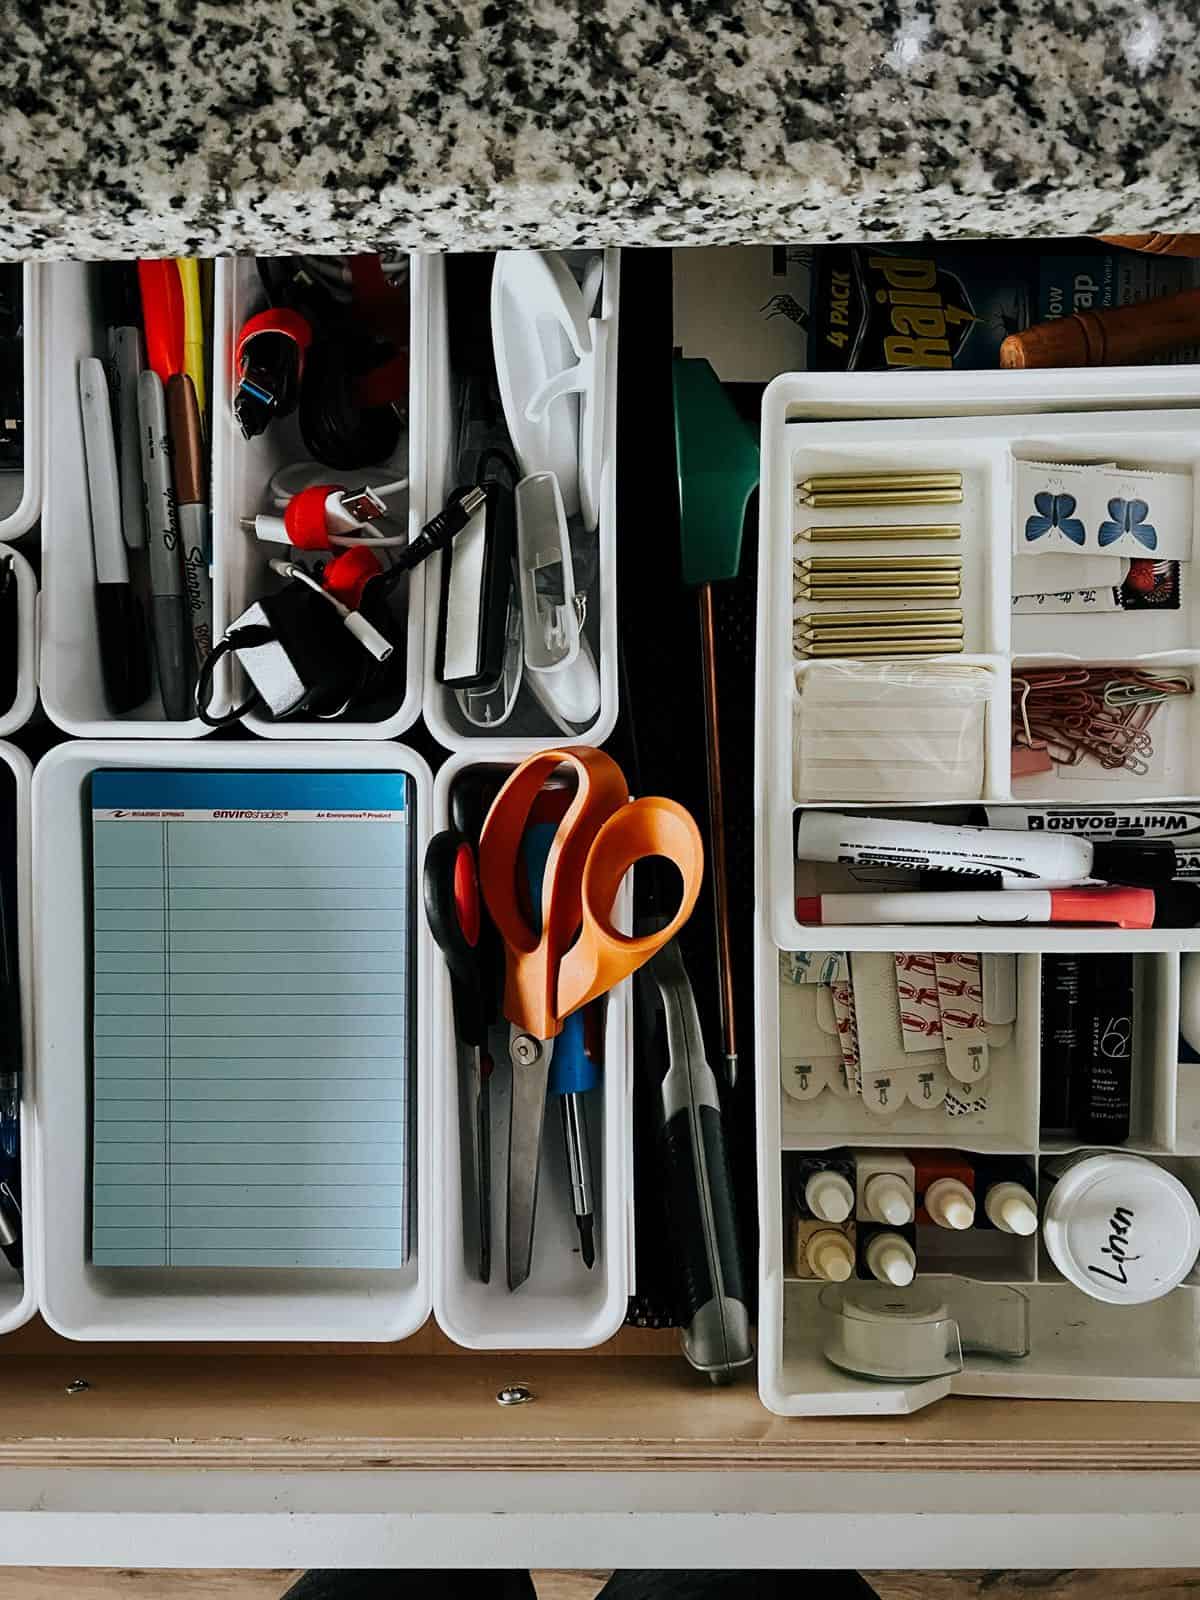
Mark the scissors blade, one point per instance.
(479, 1132)
(530, 1077)
(483, 1162)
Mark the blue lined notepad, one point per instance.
(252, 1021)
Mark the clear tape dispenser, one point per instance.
(906, 1335)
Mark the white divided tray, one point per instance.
(242, 471)
(562, 1305)
(529, 728)
(18, 1294)
(215, 1303)
(1078, 1347)
(985, 423)
(977, 422)
(21, 492)
(22, 707)
(71, 680)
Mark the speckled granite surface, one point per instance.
(190, 125)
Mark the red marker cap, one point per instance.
(162, 315)
(1124, 908)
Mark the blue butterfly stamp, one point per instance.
(1128, 517)
(1054, 511)
(1098, 509)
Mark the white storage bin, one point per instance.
(25, 699)
(242, 471)
(69, 668)
(18, 1294)
(839, 425)
(432, 379)
(21, 492)
(562, 1305)
(1078, 1347)
(83, 1301)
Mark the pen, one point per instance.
(193, 327)
(572, 1072)
(571, 1075)
(122, 655)
(172, 627)
(187, 458)
(119, 290)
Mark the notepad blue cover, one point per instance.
(252, 1019)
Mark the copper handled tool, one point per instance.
(1117, 337)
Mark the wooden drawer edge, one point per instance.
(605, 1456)
(164, 1407)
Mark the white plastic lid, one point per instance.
(950, 1204)
(1121, 1228)
(888, 1198)
(891, 1259)
(829, 1196)
(1011, 1208)
(830, 1256)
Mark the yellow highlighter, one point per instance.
(193, 327)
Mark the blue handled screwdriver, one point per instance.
(572, 1071)
(572, 1074)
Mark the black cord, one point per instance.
(494, 452)
(237, 639)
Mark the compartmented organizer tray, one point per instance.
(21, 492)
(847, 434)
(24, 647)
(241, 475)
(529, 728)
(242, 472)
(69, 666)
(1078, 1346)
(85, 1301)
(563, 1305)
(19, 1292)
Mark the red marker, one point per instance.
(1123, 908)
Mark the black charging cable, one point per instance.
(248, 638)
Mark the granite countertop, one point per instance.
(176, 126)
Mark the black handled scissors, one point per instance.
(454, 910)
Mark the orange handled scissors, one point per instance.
(576, 954)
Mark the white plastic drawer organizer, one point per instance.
(563, 1304)
(70, 666)
(21, 492)
(248, 478)
(990, 1310)
(18, 1293)
(552, 323)
(376, 1289)
(256, 476)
